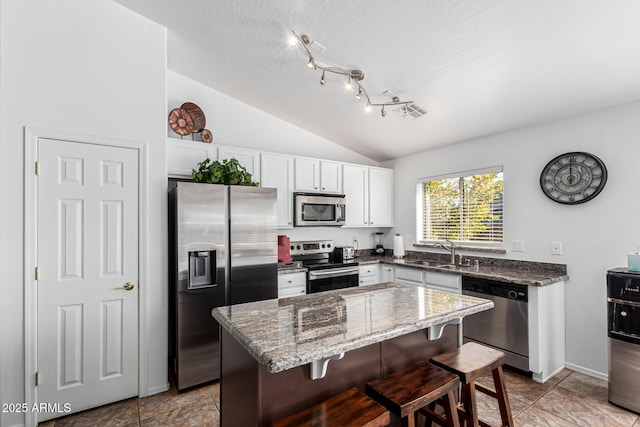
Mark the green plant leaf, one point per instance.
(229, 172)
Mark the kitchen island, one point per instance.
(280, 356)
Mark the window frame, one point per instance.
(420, 207)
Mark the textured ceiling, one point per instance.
(478, 67)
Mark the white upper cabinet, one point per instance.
(355, 179)
(380, 197)
(330, 176)
(250, 159)
(184, 155)
(276, 171)
(313, 175)
(369, 193)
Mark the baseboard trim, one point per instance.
(159, 389)
(587, 371)
(539, 379)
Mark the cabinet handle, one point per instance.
(289, 281)
(289, 223)
(315, 188)
(323, 188)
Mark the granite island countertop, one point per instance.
(502, 270)
(285, 333)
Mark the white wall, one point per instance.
(596, 235)
(91, 68)
(233, 122)
(238, 124)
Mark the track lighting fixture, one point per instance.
(354, 77)
(348, 85)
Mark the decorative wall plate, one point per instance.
(573, 178)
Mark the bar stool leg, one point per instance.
(470, 402)
(503, 399)
(450, 410)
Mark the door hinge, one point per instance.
(37, 167)
(37, 273)
(37, 379)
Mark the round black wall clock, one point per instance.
(573, 178)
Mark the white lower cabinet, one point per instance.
(386, 273)
(443, 281)
(292, 284)
(411, 276)
(369, 274)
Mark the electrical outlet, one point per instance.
(556, 248)
(517, 245)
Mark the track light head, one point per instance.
(322, 81)
(311, 64)
(359, 95)
(349, 85)
(382, 112)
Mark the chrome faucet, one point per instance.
(451, 249)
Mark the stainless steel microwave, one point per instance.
(314, 209)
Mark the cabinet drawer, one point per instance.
(369, 270)
(408, 274)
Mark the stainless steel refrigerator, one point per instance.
(223, 249)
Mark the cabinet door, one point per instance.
(387, 274)
(184, 155)
(443, 281)
(330, 177)
(277, 171)
(354, 184)
(409, 275)
(250, 159)
(293, 284)
(380, 197)
(307, 174)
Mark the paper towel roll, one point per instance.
(398, 247)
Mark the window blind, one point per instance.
(467, 208)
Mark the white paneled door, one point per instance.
(88, 275)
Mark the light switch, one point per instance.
(556, 248)
(517, 245)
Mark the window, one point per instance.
(465, 207)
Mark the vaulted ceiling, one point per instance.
(478, 67)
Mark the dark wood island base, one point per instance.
(252, 396)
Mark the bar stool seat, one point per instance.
(412, 389)
(469, 362)
(350, 408)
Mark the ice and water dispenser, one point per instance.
(202, 269)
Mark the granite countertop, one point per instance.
(509, 271)
(289, 270)
(285, 333)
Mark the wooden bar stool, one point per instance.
(351, 408)
(413, 389)
(470, 362)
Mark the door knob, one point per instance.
(127, 286)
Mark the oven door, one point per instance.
(623, 319)
(334, 278)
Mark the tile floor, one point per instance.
(569, 399)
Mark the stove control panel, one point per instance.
(311, 247)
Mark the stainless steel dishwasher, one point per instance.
(505, 326)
